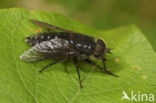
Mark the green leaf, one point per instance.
(133, 60)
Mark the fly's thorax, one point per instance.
(100, 48)
(84, 44)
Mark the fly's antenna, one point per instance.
(108, 50)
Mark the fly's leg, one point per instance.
(56, 62)
(76, 65)
(104, 69)
(93, 63)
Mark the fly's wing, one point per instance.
(54, 48)
(50, 26)
(32, 55)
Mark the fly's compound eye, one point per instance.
(100, 48)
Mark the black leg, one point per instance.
(105, 70)
(56, 62)
(76, 65)
(94, 64)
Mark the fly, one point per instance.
(64, 45)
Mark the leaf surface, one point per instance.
(133, 60)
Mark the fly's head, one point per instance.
(101, 49)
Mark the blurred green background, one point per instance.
(101, 14)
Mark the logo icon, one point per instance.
(125, 96)
(138, 96)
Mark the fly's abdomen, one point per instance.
(33, 40)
